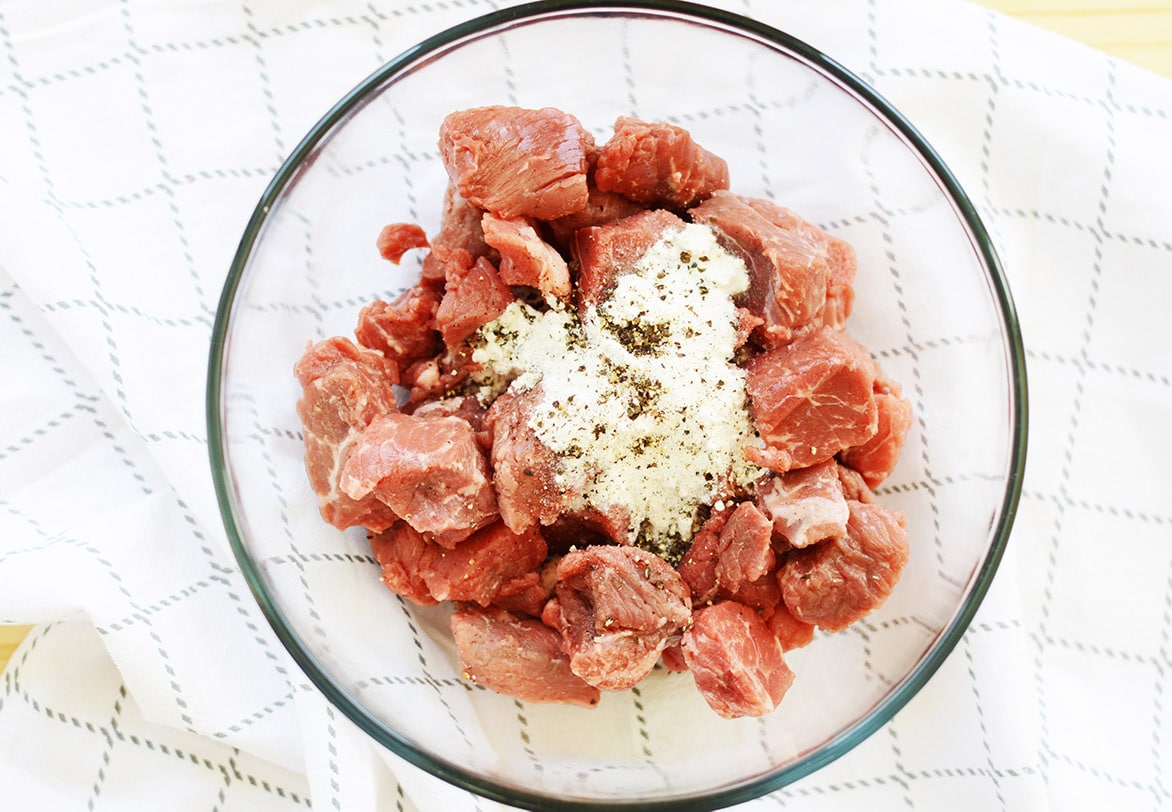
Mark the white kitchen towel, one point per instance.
(135, 138)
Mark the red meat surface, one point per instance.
(526, 259)
(472, 299)
(404, 329)
(396, 239)
(788, 268)
(460, 233)
(605, 252)
(658, 164)
(601, 208)
(736, 661)
(789, 631)
(517, 162)
(476, 570)
(811, 399)
(428, 470)
(465, 407)
(838, 581)
(616, 608)
(524, 468)
(876, 458)
(730, 550)
(805, 505)
(440, 376)
(518, 657)
(344, 388)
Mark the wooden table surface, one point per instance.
(1138, 31)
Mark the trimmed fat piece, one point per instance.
(805, 505)
(736, 661)
(606, 252)
(658, 164)
(344, 388)
(810, 399)
(838, 581)
(517, 162)
(429, 470)
(396, 239)
(526, 259)
(518, 657)
(616, 608)
(476, 570)
(788, 267)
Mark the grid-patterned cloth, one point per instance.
(136, 138)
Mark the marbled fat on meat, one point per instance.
(805, 505)
(526, 259)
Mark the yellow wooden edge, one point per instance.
(10, 638)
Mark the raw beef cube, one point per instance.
(478, 568)
(736, 661)
(524, 468)
(601, 208)
(658, 164)
(698, 566)
(605, 252)
(396, 239)
(401, 552)
(470, 301)
(673, 658)
(805, 505)
(854, 487)
(344, 388)
(428, 470)
(526, 259)
(616, 608)
(517, 162)
(876, 458)
(838, 581)
(518, 657)
(404, 330)
(789, 631)
(811, 399)
(465, 407)
(528, 593)
(788, 268)
(731, 549)
(762, 595)
(460, 231)
(840, 259)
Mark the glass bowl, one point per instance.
(931, 304)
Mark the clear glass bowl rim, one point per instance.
(667, 9)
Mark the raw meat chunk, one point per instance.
(789, 631)
(854, 487)
(526, 259)
(478, 568)
(811, 399)
(471, 300)
(404, 330)
(736, 660)
(524, 468)
(658, 164)
(601, 208)
(838, 581)
(460, 233)
(527, 594)
(402, 552)
(805, 505)
(428, 470)
(397, 239)
(788, 268)
(475, 570)
(616, 608)
(465, 407)
(517, 162)
(518, 657)
(840, 259)
(730, 550)
(344, 388)
(438, 377)
(876, 458)
(605, 252)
